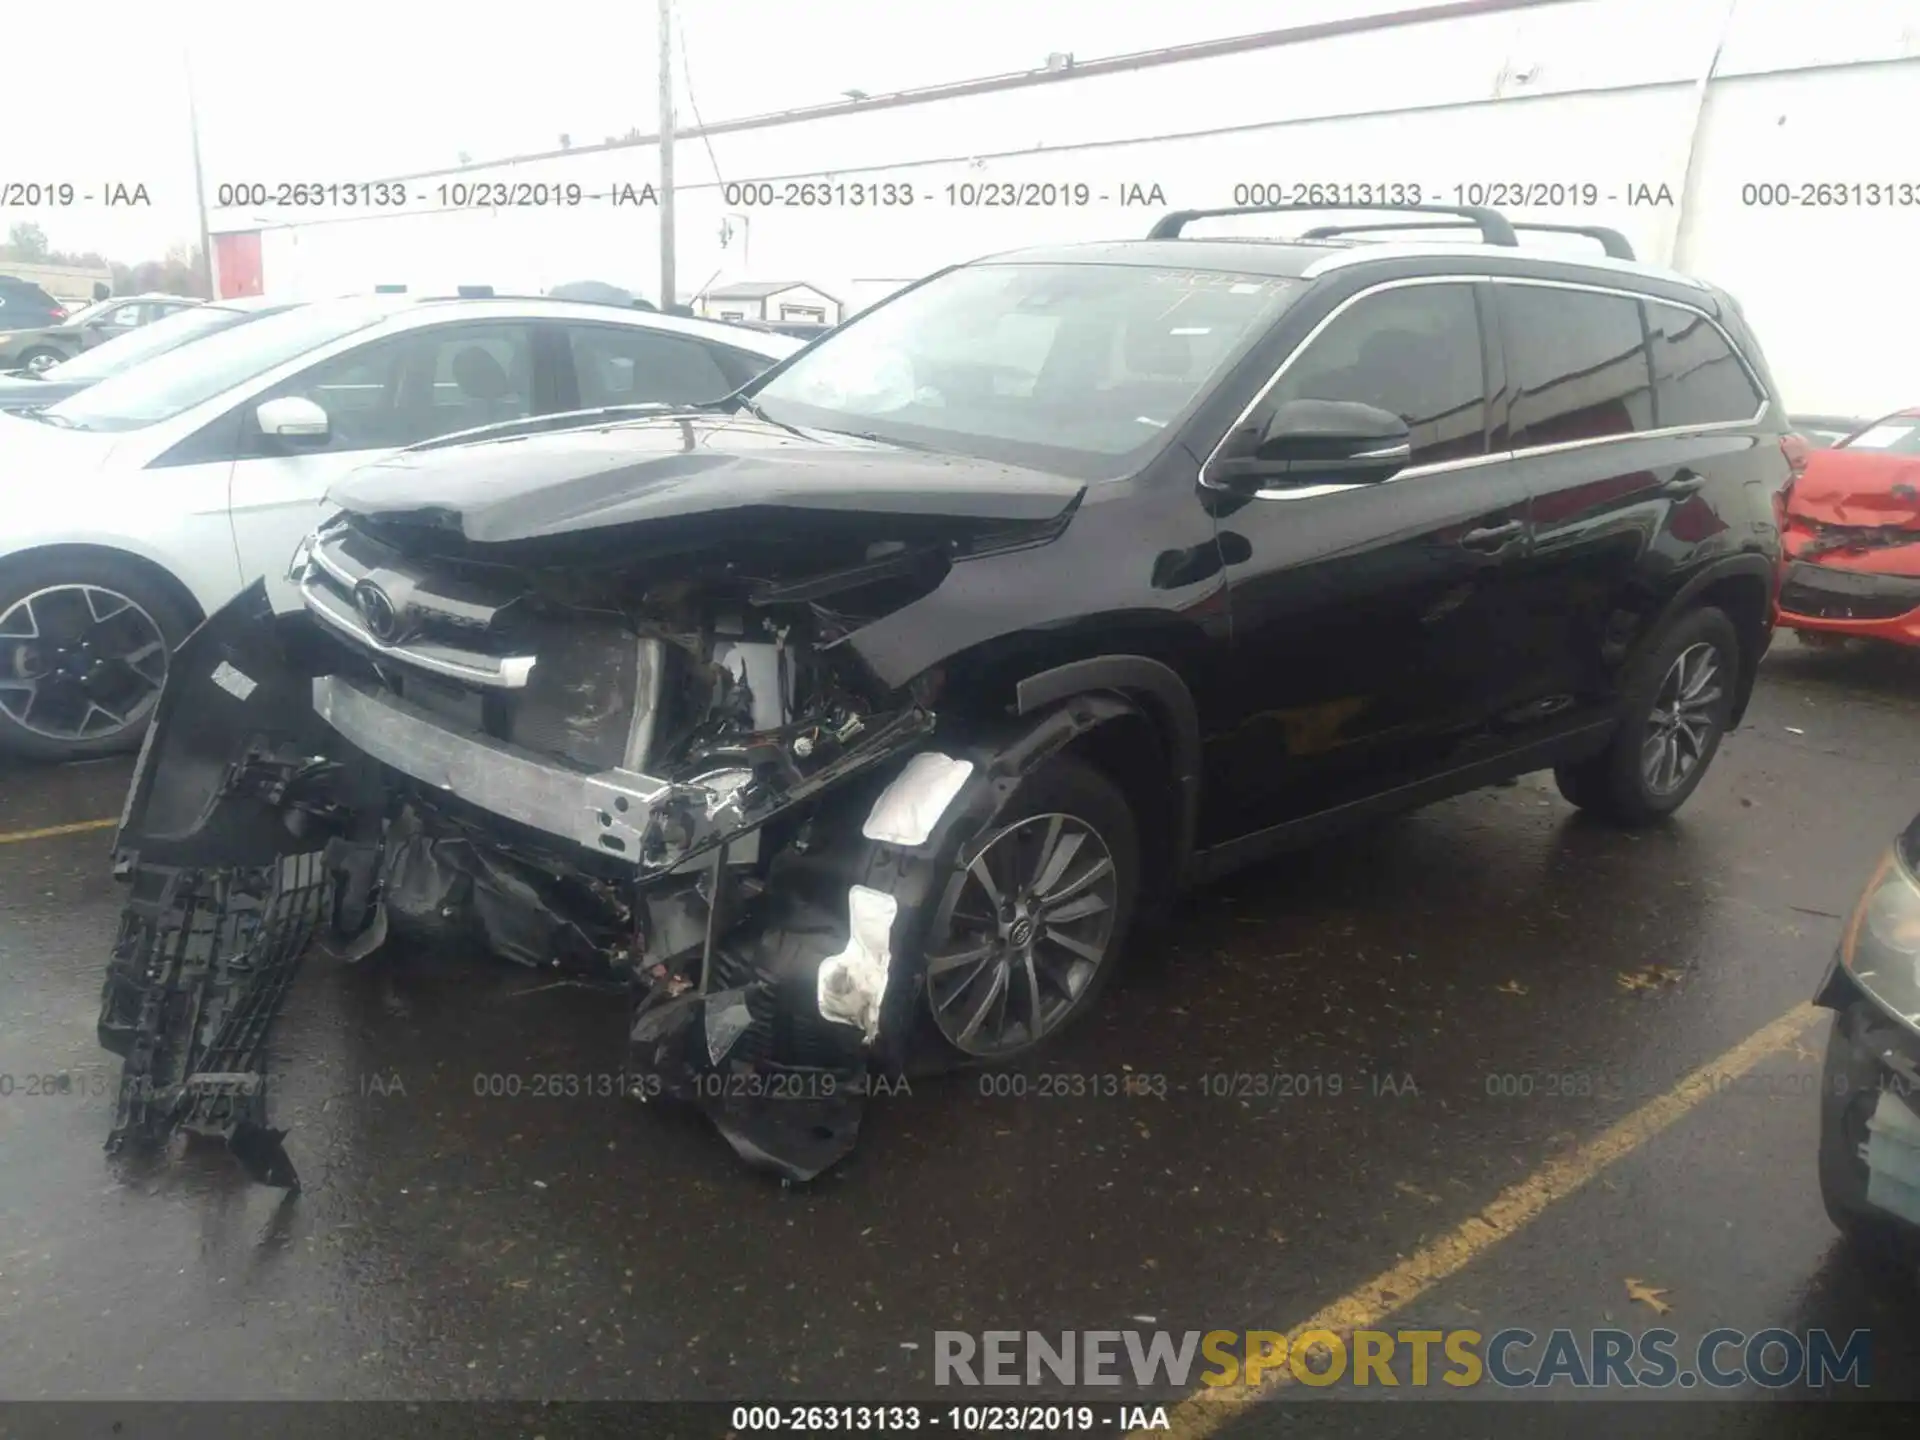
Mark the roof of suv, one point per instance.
(1332, 247)
(1308, 259)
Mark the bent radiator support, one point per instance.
(200, 969)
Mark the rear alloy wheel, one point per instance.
(83, 656)
(1675, 708)
(41, 359)
(1029, 932)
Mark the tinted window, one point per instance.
(1414, 351)
(625, 365)
(421, 385)
(1697, 378)
(1576, 365)
(127, 315)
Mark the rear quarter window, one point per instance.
(1697, 378)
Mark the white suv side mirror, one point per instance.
(292, 417)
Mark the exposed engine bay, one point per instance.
(665, 768)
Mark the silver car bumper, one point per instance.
(606, 812)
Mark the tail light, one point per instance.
(59, 312)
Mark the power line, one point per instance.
(686, 69)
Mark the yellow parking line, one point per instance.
(1363, 1308)
(14, 837)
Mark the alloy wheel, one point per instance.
(79, 662)
(1684, 719)
(1021, 933)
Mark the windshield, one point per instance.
(1080, 368)
(146, 394)
(1895, 435)
(124, 351)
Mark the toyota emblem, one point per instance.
(376, 610)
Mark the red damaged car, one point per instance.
(1850, 532)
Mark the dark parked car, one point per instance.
(1870, 1086)
(104, 320)
(25, 306)
(856, 720)
(32, 390)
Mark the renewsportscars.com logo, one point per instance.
(1510, 1359)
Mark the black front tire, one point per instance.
(32, 574)
(1063, 786)
(1615, 785)
(41, 352)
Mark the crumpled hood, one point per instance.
(1858, 487)
(528, 487)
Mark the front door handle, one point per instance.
(1493, 537)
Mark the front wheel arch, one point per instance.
(1165, 703)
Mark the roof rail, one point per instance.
(1611, 241)
(1495, 228)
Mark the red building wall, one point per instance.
(236, 264)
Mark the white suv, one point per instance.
(138, 506)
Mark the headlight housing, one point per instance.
(1880, 947)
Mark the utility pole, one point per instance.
(199, 180)
(668, 294)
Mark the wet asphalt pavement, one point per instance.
(457, 1242)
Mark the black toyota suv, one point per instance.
(856, 720)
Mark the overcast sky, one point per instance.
(359, 89)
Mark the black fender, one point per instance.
(1750, 563)
(1169, 706)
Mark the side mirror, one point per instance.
(1316, 442)
(292, 417)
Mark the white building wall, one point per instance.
(1595, 101)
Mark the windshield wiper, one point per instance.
(47, 417)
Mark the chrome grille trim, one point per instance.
(503, 672)
(421, 594)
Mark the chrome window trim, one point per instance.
(1414, 472)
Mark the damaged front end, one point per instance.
(685, 783)
(1850, 532)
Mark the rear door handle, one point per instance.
(1493, 537)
